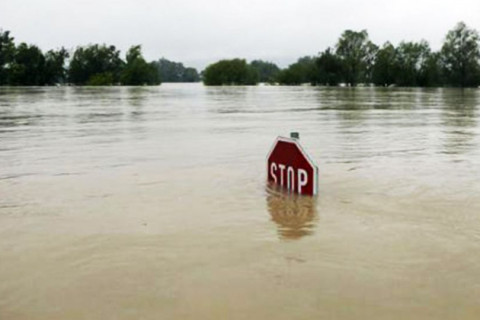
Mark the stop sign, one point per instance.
(290, 167)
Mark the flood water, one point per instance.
(152, 203)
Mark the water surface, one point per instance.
(151, 203)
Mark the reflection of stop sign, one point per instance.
(289, 166)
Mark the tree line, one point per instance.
(355, 60)
(94, 64)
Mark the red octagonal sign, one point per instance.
(290, 167)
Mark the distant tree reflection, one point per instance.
(459, 120)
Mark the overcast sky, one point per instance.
(198, 32)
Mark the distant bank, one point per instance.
(354, 60)
(94, 64)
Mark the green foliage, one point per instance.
(410, 64)
(329, 69)
(355, 60)
(100, 79)
(357, 54)
(431, 71)
(170, 71)
(411, 58)
(90, 61)
(230, 72)
(385, 67)
(137, 71)
(55, 66)
(267, 71)
(28, 66)
(301, 72)
(460, 56)
(190, 75)
(7, 52)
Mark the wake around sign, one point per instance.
(290, 167)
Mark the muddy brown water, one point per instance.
(151, 203)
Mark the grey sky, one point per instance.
(201, 32)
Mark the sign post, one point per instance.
(290, 167)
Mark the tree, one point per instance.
(28, 66)
(357, 54)
(384, 69)
(302, 71)
(7, 52)
(431, 71)
(170, 71)
(329, 68)
(95, 65)
(460, 56)
(411, 59)
(137, 71)
(230, 72)
(190, 75)
(55, 71)
(371, 50)
(267, 71)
